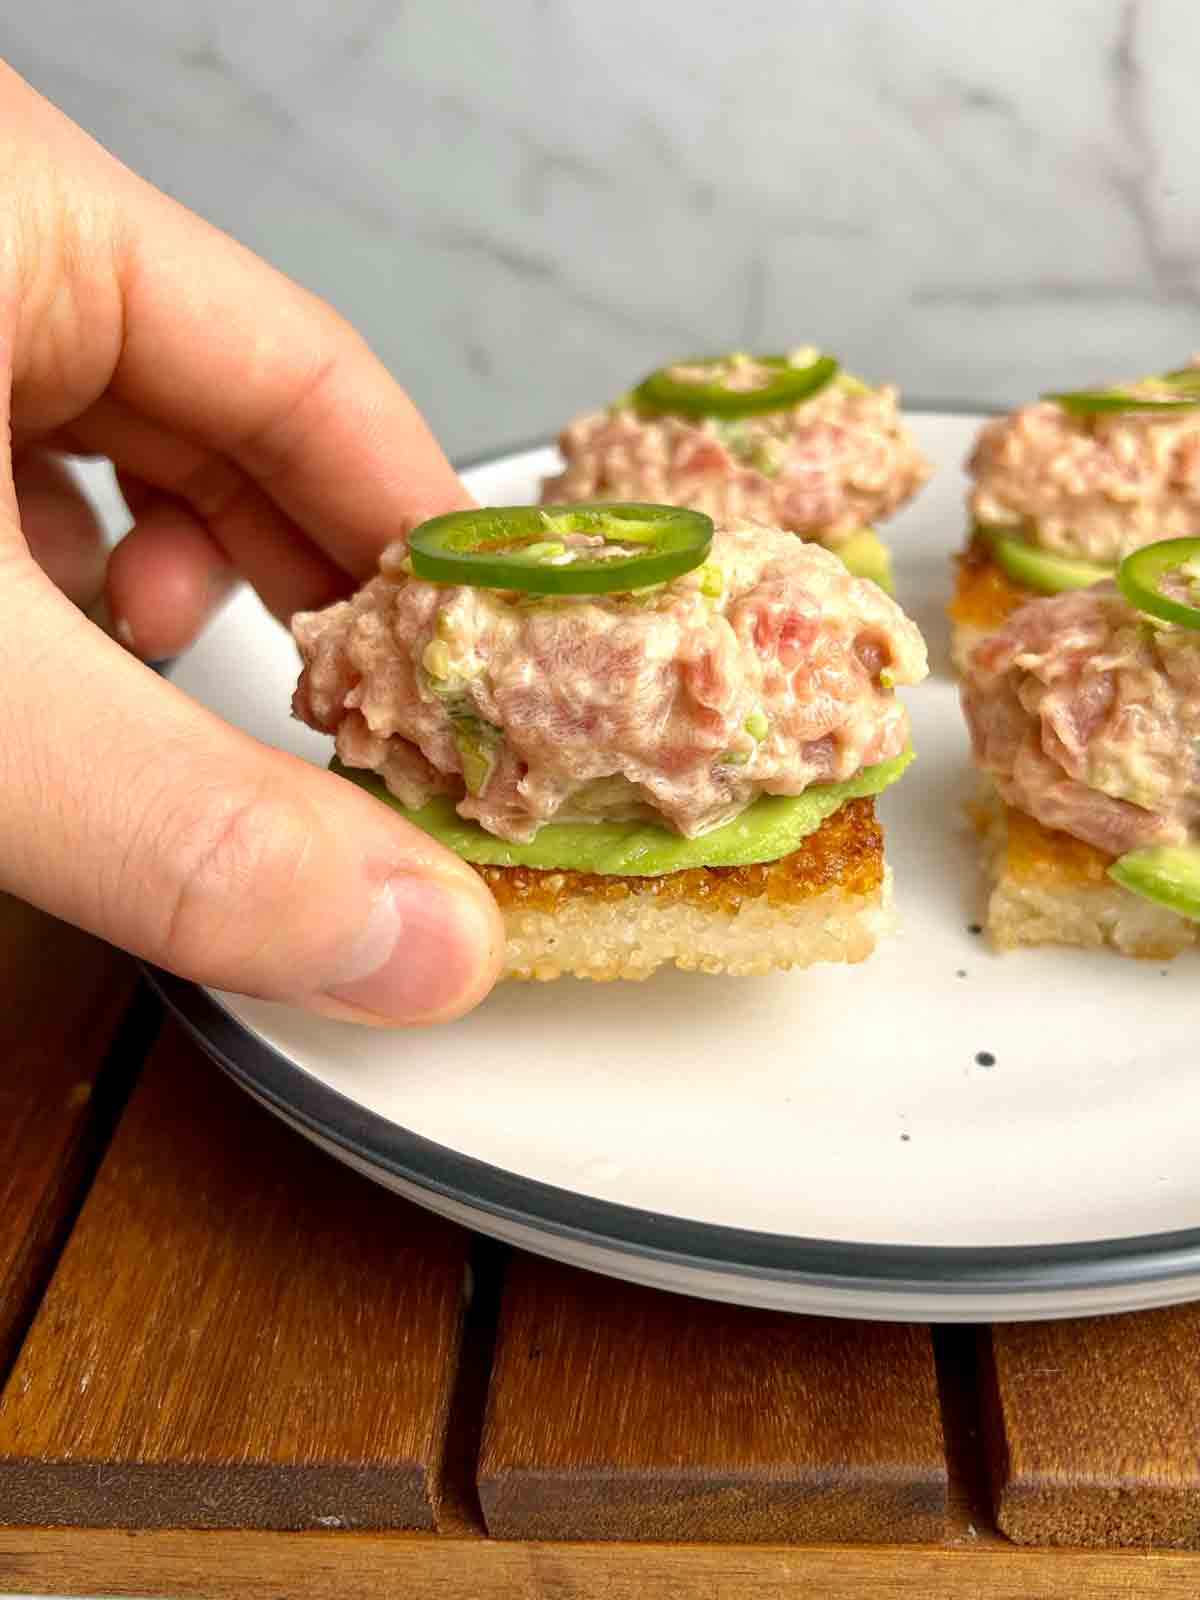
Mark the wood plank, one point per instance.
(1094, 1429)
(361, 1566)
(62, 995)
(241, 1332)
(617, 1412)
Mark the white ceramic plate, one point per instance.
(941, 1134)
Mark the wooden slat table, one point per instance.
(229, 1366)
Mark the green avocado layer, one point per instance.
(1166, 874)
(772, 827)
(866, 556)
(1041, 569)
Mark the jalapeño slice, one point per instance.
(733, 386)
(595, 547)
(1166, 391)
(1139, 576)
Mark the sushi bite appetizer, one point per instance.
(657, 740)
(1084, 712)
(789, 440)
(1064, 489)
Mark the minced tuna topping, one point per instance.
(1092, 487)
(1087, 716)
(767, 669)
(824, 468)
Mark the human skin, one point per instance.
(255, 436)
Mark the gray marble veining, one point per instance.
(526, 203)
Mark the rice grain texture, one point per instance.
(827, 901)
(1048, 888)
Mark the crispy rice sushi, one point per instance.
(656, 742)
(1084, 715)
(790, 441)
(1063, 490)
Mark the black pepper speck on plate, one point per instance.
(984, 1058)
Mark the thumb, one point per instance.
(134, 812)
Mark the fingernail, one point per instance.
(418, 955)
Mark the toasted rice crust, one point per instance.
(824, 902)
(1051, 888)
(984, 597)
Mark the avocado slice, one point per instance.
(1040, 569)
(1167, 874)
(772, 827)
(866, 556)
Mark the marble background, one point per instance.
(526, 203)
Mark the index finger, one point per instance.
(223, 348)
(218, 348)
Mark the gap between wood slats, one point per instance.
(970, 1516)
(114, 1083)
(460, 1512)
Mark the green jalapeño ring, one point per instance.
(1166, 391)
(595, 547)
(1140, 575)
(719, 387)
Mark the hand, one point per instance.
(254, 434)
